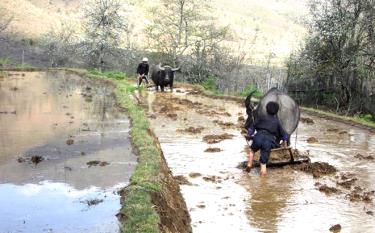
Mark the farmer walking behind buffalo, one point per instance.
(142, 71)
(268, 135)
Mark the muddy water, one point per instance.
(73, 124)
(221, 198)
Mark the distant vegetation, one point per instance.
(240, 43)
(336, 68)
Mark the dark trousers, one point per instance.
(140, 79)
(265, 143)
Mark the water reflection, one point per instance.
(57, 207)
(69, 121)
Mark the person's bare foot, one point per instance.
(250, 161)
(263, 169)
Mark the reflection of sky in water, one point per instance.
(32, 207)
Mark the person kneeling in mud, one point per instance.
(268, 134)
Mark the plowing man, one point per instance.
(269, 131)
(142, 71)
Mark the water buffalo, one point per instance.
(163, 76)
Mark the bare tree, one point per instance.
(104, 24)
(62, 45)
(5, 19)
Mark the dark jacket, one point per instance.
(269, 125)
(142, 68)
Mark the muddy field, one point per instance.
(202, 142)
(64, 154)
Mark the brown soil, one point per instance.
(35, 159)
(360, 156)
(213, 150)
(335, 228)
(357, 195)
(211, 139)
(69, 142)
(307, 120)
(332, 130)
(192, 130)
(173, 116)
(213, 179)
(241, 119)
(195, 174)
(97, 163)
(243, 131)
(317, 169)
(201, 206)
(312, 140)
(327, 190)
(224, 124)
(347, 183)
(182, 180)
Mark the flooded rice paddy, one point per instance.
(64, 154)
(201, 141)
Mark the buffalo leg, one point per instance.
(157, 87)
(162, 88)
(171, 86)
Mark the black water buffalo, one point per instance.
(163, 76)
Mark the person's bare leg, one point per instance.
(263, 169)
(250, 161)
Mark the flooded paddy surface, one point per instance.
(201, 140)
(64, 153)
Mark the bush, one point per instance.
(209, 84)
(250, 88)
(4, 61)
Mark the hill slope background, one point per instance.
(267, 31)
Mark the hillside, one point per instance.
(261, 29)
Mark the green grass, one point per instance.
(250, 88)
(109, 74)
(138, 208)
(4, 61)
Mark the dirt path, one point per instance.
(201, 141)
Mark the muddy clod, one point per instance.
(195, 174)
(307, 120)
(360, 156)
(211, 139)
(332, 130)
(347, 183)
(312, 140)
(182, 180)
(224, 124)
(335, 228)
(327, 190)
(21, 159)
(201, 206)
(35, 159)
(96, 163)
(92, 202)
(192, 130)
(370, 213)
(213, 179)
(14, 89)
(70, 142)
(173, 116)
(317, 169)
(212, 150)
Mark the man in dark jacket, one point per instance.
(142, 71)
(268, 134)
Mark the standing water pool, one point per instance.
(64, 153)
